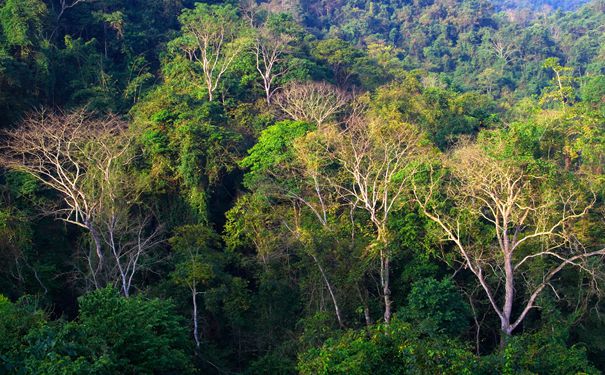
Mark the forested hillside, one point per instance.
(302, 187)
(540, 4)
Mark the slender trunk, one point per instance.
(331, 291)
(386, 290)
(268, 93)
(196, 334)
(95, 270)
(477, 326)
(385, 262)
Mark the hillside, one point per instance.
(565, 5)
(302, 187)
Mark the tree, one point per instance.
(376, 155)
(561, 89)
(396, 348)
(193, 245)
(64, 5)
(312, 102)
(502, 216)
(279, 170)
(269, 48)
(84, 160)
(112, 334)
(341, 56)
(22, 24)
(437, 306)
(212, 40)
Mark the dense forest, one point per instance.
(302, 187)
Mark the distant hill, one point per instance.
(539, 4)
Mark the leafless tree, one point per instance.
(82, 158)
(64, 5)
(505, 50)
(529, 223)
(314, 102)
(269, 50)
(249, 10)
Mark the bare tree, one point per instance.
(269, 49)
(504, 49)
(63, 6)
(129, 238)
(82, 158)
(314, 102)
(376, 158)
(528, 222)
(249, 11)
(212, 40)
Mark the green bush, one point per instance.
(391, 349)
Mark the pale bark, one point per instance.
(196, 333)
(82, 158)
(511, 201)
(375, 156)
(269, 51)
(214, 49)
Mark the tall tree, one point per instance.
(83, 159)
(269, 48)
(212, 39)
(502, 216)
(376, 157)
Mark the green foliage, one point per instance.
(16, 320)
(273, 148)
(394, 349)
(113, 334)
(437, 306)
(543, 352)
(137, 334)
(195, 246)
(234, 182)
(22, 23)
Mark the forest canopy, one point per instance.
(302, 186)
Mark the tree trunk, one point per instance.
(509, 295)
(210, 96)
(505, 334)
(96, 239)
(196, 334)
(386, 290)
(331, 291)
(366, 309)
